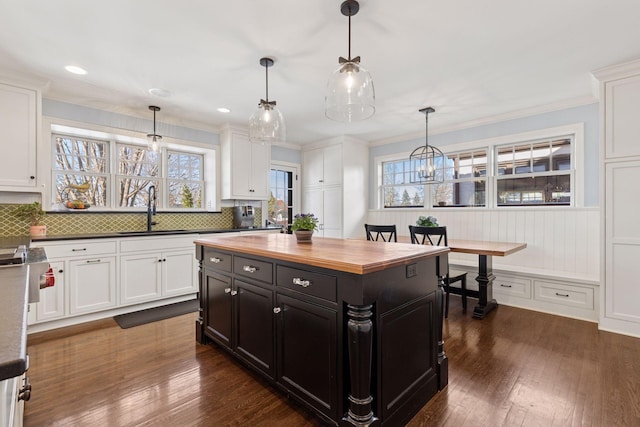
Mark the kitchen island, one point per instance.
(350, 329)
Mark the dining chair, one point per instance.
(437, 236)
(384, 232)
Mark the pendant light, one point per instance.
(427, 162)
(350, 95)
(153, 139)
(267, 123)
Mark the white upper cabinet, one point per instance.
(18, 121)
(244, 167)
(622, 128)
(322, 166)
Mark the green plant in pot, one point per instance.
(33, 214)
(427, 221)
(303, 226)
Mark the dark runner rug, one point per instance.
(149, 315)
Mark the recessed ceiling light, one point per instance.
(75, 70)
(224, 110)
(163, 93)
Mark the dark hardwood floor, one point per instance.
(514, 368)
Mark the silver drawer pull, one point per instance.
(505, 286)
(562, 295)
(249, 269)
(92, 261)
(234, 293)
(227, 290)
(301, 282)
(277, 310)
(215, 260)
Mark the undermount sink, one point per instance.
(150, 232)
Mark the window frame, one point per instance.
(114, 137)
(575, 130)
(294, 168)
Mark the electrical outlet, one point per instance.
(412, 270)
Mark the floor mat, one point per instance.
(149, 315)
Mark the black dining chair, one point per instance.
(437, 236)
(384, 232)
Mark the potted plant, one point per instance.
(303, 226)
(428, 221)
(33, 214)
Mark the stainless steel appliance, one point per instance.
(40, 273)
(243, 217)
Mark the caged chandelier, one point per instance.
(267, 123)
(350, 95)
(153, 139)
(426, 162)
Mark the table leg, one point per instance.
(485, 278)
(360, 347)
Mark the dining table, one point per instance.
(486, 250)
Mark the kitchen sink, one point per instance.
(149, 233)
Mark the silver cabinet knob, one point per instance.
(233, 293)
(301, 282)
(249, 268)
(277, 310)
(215, 260)
(227, 290)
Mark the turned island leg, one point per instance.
(360, 347)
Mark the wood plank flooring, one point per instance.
(514, 368)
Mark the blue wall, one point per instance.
(587, 114)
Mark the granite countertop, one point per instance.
(110, 235)
(14, 291)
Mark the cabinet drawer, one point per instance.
(574, 296)
(83, 248)
(258, 270)
(514, 286)
(217, 260)
(156, 243)
(316, 284)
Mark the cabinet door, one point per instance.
(92, 284)
(332, 165)
(332, 212)
(51, 305)
(260, 167)
(312, 168)
(218, 308)
(313, 202)
(18, 110)
(139, 278)
(253, 307)
(306, 352)
(178, 273)
(241, 167)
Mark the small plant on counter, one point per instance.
(428, 221)
(304, 222)
(32, 213)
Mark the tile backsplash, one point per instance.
(87, 222)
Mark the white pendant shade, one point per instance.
(350, 94)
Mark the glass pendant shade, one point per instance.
(267, 123)
(153, 139)
(350, 94)
(426, 162)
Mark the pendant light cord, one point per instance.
(349, 56)
(266, 74)
(154, 123)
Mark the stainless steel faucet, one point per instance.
(151, 207)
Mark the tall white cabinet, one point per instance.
(619, 176)
(335, 176)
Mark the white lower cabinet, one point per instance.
(92, 284)
(51, 305)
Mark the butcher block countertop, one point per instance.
(350, 256)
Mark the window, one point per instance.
(110, 174)
(535, 173)
(465, 180)
(76, 163)
(280, 205)
(397, 189)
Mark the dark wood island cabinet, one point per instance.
(351, 329)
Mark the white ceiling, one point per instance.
(472, 61)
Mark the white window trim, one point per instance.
(576, 130)
(54, 125)
(297, 191)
